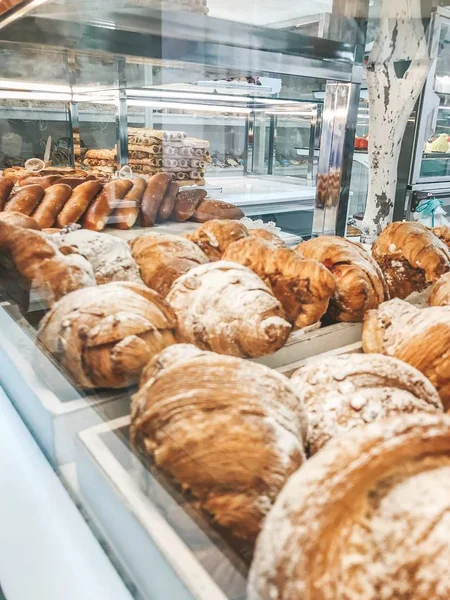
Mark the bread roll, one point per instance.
(104, 204)
(227, 308)
(351, 390)
(25, 199)
(411, 258)
(54, 199)
(6, 186)
(302, 285)
(185, 204)
(19, 220)
(419, 337)
(78, 203)
(40, 262)
(127, 212)
(162, 258)
(440, 292)
(360, 285)
(229, 431)
(210, 209)
(109, 256)
(153, 196)
(215, 236)
(443, 233)
(105, 336)
(364, 519)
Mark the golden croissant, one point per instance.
(229, 430)
(419, 337)
(411, 257)
(367, 518)
(214, 236)
(225, 307)
(104, 336)
(302, 285)
(440, 292)
(443, 233)
(360, 284)
(350, 390)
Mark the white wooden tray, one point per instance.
(169, 550)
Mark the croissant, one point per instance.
(443, 233)
(364, 519)
(302, 285)
(440, 292)
(344, 391)
(162, 258)
(419, 337)
(214, 236)
(411, 257)
(225, 307)
(228, 430)
(267, 235)
(360, 284)
(40, 262)
(106, 335)
(109, 256)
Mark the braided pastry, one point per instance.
(228, 430)
(345, 391)
(411, 257)
(419, 337)
(225, 307)
(302, 285)
(360, 284)
(106, 335)
(367, 518)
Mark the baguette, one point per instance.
(51, 205)
(168, 202)
(26, 199)
(154, 193)
(6, 185)
(186, 203)
(209, 209)
(44, 182)
(127, 212)
(99, 211)
(78, 203)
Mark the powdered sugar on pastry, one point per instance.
(109, 256)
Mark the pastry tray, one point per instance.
(56, 410)
(167, 548)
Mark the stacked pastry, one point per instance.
(152, 151)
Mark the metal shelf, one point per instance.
(145, 33)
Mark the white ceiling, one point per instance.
(265, 12)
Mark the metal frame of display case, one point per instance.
(173, 38)
(428, 104)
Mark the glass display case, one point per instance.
(236, 110)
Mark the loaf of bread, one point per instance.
(105, 203)
(20, 220)
(163, 257)
(360, 285)
(440, 292)
(25, 199)
(213, 237)
(229, 431)
(40, 262)
(419, 337)
(302, 285)
(55, 197)
(209, 209)
(225, 307)
(6, 186)
(106, 335)
(153, 196)
(78, 203)
(109, 256)
(127, 211)
(366, 518)
(411, 257)
(185, 204)
(350, 390)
